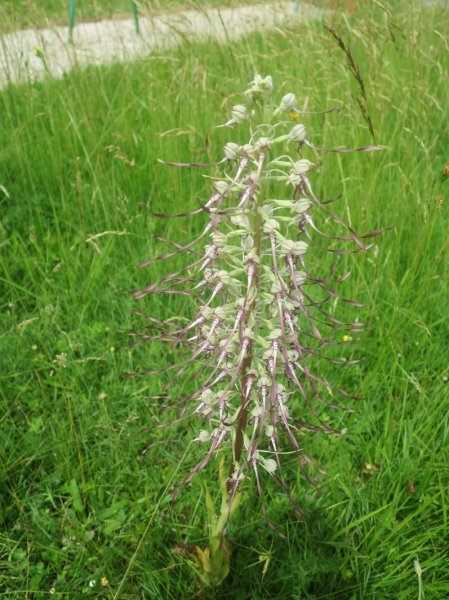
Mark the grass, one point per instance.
(78, 183)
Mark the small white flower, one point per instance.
(61, 360)
(262, 85)
(92, 583)
(203, 436)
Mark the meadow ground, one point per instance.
(78, 183)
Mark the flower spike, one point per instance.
(262, 328)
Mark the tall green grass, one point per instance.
(79, 181)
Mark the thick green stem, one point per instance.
(215, 560)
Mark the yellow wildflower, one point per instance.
(445, 171)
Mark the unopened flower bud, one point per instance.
(247, 243)
(220, 312)
(298, 133)
(239, 113)
(266, 211)
(275, 288)
(222, 396)
(283, 410)
(295, 248)
(269, 430)
(302, 166)
(221, 187)
(262, 144)
(240, 221)
(231, 150)
(292, 356)
(300, 277)
(270, 226)
(208, 396)
(264, 381)
(288, 102)
(223, 277)
(269, 464)
(275, 334)
(301, 205)
(247, 149)
(295, 179)
(257, 411)
(220, 239)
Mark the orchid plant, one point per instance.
(262, 322)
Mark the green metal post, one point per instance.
(71, 21)
(135, 15)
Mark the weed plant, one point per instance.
(81, 509)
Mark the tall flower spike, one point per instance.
(262, 321)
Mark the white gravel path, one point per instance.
(111, 41)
